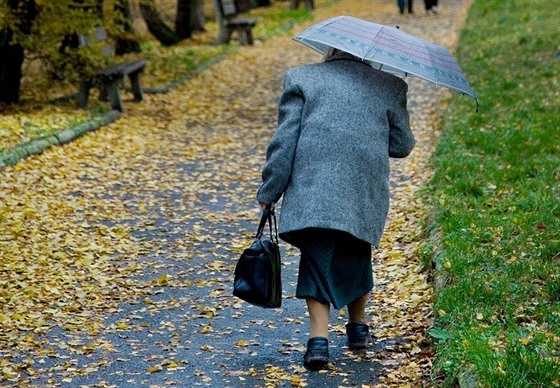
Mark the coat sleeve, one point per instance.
(401, 139)
(282, 147)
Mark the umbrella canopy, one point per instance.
(388, 49)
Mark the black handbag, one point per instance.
(257, 273)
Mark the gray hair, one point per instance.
(331, 52)
(334, 52)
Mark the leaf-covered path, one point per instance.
(118, 249)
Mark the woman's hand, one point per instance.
(264, 205)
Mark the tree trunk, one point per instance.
(156, 26)
(263, 3)
(125, 44)
(183, 19)
(198, 18)
(294, 4)
(11, 60)
(12, 54)
(222, 34)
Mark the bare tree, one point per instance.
(188, 19)
(198, 17)
(155, 24)
(183, 19)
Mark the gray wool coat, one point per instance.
(338, 123)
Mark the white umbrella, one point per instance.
(388, 49)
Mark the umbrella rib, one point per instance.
(330, 21)
(371, 46)
(431, 59)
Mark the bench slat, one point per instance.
(227, 10)
(110, 79)
(123, 68)
(228, 7)
(242, 22)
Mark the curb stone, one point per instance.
(38, 146)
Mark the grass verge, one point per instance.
(495, 197)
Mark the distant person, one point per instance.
(339, 123)
(431, 6)
(402, 6)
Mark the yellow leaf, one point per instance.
(173, 365)
(524, 341)
(163, 280)
(155, 369)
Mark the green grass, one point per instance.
(273, 23)
(169, 64)
(495, 222)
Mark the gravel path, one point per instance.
(127, 239)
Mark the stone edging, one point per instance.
(65, 136)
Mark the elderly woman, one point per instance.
(339, 122)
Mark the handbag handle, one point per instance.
(268, 215)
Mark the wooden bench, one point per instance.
(227, 12)
(109, 80)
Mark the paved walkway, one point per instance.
(119, 248)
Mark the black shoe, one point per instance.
(317, 354)
(358, 335)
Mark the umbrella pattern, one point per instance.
(389, 49)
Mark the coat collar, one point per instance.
(345, 56)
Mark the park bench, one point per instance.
(110, 79)
(229, 22)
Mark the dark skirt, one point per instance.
(335, 267)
